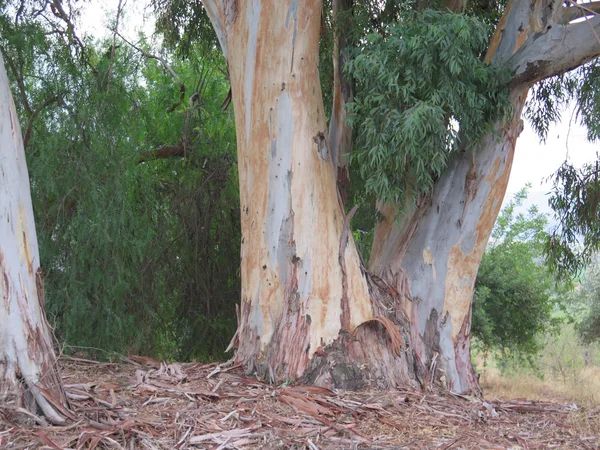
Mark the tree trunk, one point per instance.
(29, 375)
(306, 311)
(432, 258)
(296, 290)
(309, 310)
(431, 252)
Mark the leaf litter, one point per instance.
(147, 404)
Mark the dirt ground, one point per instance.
(144, 404)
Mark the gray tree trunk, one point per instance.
(29, 375)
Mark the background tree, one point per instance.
(515, 289)
(584, 304)
(134, 186)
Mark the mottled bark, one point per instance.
(29, 375)
(431, 252)
(439, 250)
(309, 310)
(294, 289)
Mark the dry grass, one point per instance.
(582, 389)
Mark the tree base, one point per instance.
(374, 356)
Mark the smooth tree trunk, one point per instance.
(296, 289)
(309, 310)
(430, 253)
(29, 375)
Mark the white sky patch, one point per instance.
(535, 161)
(98, 15)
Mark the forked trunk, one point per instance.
(29, 375)
(432, 258)
(308, 308)
(431, 254)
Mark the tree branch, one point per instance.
(165, 65)
(164, 152)
(567, 14)
(18, 76)
(152, 56)
(562, 48)
(114, 45)
(340, 134)
(57, 9)
(33, 115)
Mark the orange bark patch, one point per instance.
(460, 280)
(497, 37)
(521, 38)
(463, 268)
(24, 247)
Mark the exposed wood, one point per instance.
(345, 302)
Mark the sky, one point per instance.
(534, 161)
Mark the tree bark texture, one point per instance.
(300, 283)
(431, 252)
(29, 375)
(340, 133)
(309, 310)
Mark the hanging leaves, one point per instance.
(423, 89)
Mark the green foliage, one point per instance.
(418, 85)
(547, 100)
(514, 298)
(185, 27)
(139, 254)
(584, 304)
(575, 200)
(576, 191)
(550, 98)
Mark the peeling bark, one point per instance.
(292, 221)
(438, 252)
(309, 310)
(431, 253)
(29, 375)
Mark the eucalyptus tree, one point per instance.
(29, 374)
(438, 157)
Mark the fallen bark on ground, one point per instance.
(147, 404)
